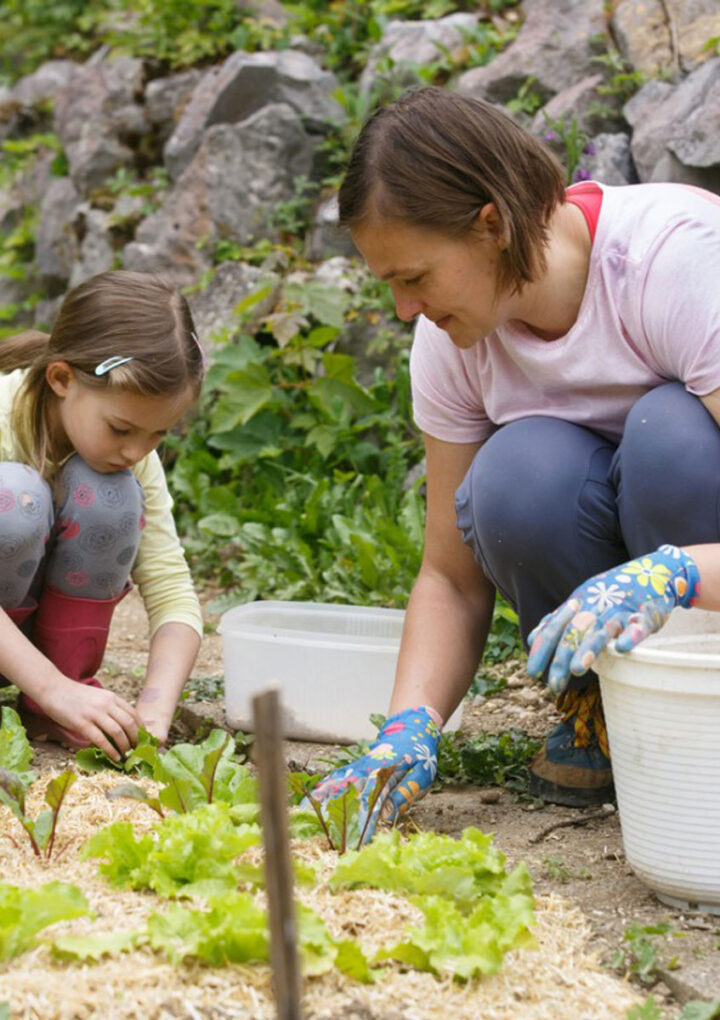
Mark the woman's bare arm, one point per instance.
(450, 609)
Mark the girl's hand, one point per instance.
(92, 715)
(627, 603)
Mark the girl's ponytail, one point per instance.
(21, 350)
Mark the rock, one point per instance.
(555, 47)
(166, 99)
(43, 85)
(46, 312)
(56, 246)
(238, 174)
(659, 34)
(610, 160)
(418, 43)
(592, 110)
(97, 119)
(490, 796)
(213, 307)
(675, 136)
(325, 237)
(26, 189)
(246, 83)
(96, 253)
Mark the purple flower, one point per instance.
(581, 175)
(589, 149)
(549, 136)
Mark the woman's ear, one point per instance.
(58, 376)
(489, 223)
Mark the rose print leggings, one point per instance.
(83, 542)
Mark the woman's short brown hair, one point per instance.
(434, 158)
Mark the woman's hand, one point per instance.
(407, 740)
(627, 603)
(91, 715)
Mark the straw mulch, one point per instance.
(559, 979)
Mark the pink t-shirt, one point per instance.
(650, 314)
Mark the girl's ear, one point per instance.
(489, 223)
(58, 376)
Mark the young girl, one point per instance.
(84, 506)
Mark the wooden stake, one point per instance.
(278, 869)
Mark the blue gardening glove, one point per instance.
(627, 603)
(408, 740)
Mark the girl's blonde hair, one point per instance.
(434, 158)
(115, 314)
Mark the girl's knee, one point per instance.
(99, 498)
(26, 514)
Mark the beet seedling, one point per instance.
(41, 830)
(340, 817)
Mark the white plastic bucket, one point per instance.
(334, 666)
(662, 708)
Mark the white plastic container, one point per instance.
(334, 666)
(662, 708)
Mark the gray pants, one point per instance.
(83, 541)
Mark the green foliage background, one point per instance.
(292, 480)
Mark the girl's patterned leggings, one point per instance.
(82, 541)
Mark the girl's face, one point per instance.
(451, 281)
(111, 430)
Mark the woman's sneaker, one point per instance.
(562, 773)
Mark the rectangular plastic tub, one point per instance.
(334, 666)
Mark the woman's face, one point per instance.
(449, 280)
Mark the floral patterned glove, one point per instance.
(409, 741)
(627, 603)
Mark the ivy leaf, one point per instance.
(248, 391)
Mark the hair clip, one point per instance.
(110, 363)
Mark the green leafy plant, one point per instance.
(487, 759)
(15, 750)
(192, 775)
(573, 142)
(25, 912)
(40, 831)
(640, 955)
(339, 818)
(184, 855)
(474, 910)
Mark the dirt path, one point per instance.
(584, 864)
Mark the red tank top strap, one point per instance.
(587, 196)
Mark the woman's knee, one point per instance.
(664, 471)
(533, 481)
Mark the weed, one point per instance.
(527, 100)
(487, 759)
(641, 955)
(556, 869)
(573, 142)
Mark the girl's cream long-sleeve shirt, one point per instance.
(160, 570)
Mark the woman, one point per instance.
(566, 377)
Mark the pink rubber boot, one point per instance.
(72, 633)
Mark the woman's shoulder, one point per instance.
(637, 218)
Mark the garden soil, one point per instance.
(587, 897)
